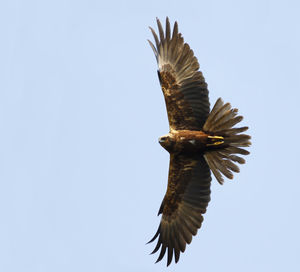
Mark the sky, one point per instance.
(81, 172)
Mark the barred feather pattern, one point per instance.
(220, 122)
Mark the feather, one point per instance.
(170, 255)
(230, 165)
(231, 131)
(162, 253)
(230, 123)
(219, 103)
(161, 31)
(213, 167)
(223, 119)
(155, 236)
(177, 255)
(237, 150)
(153, 48)
(237, 159)
(155, 38)
(168, 30)
(157, 246)
(220, 163)
(219, 113)
(175, 30)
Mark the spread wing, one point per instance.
(183, 86)
(185, 201)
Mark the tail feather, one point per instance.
(229, 124)
(216, 107)
(234, 158)
(238, 139)
(210, 161)
(224, 119)
(222, 159)
(237, 150)
(231, 131)
(219, 113)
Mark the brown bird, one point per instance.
(199, 141)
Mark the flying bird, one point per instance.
(199, 141)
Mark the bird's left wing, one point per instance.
(182, 83)
(186, 199)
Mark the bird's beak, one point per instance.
(160, 140)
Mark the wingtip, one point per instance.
(169, 261)
(176, 25)
(162, 254)
(152, 30)
(153, 251)
(155, 236)
(149, 242)
(220, 100)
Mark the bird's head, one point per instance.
(167, 142)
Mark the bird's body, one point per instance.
(199, 141)
(189, 141)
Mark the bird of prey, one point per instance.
(199, 141)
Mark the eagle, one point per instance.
(199, 141)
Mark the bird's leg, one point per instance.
(214, 140)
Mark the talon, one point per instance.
(215, 140)
(215, 137)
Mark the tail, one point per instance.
(222, 158)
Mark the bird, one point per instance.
(200, 142)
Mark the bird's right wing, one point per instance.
(186, 199)
(182, 83)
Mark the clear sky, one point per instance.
(81, 172)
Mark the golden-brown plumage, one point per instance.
(185, 201)
(183, 86)
(198, 141)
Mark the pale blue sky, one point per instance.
(81, 172)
